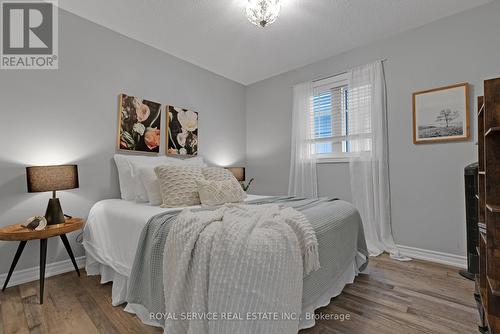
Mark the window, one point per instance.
(337, 133)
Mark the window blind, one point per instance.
(329, 117)
(341, 119)
(359, 120)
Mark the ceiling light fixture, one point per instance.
(263, 12)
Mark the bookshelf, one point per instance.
(488, 279)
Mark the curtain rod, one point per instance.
(331, 76)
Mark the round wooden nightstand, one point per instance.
(19, 233)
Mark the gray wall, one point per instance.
(70, 115)
(426, 180)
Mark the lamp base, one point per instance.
(54, 213)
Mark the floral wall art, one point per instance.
(182, 131)
(139, 124)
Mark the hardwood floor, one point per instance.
(396, 297)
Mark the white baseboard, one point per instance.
(434, 256)
(33, 274)
(57, 268)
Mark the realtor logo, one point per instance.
(29, 35)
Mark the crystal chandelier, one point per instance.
(263, 12)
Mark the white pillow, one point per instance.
(219, 192)
(126, 180)
(142, 184)
(141, 195)
(151, 185)
(194, 161)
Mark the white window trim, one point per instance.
(327, 158)
(321, 86)
(332, 160)
(329, 83)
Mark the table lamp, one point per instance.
(52, 178)
(238, 172)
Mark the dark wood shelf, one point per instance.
(488, 129)
(494, 286)
(493, 208)
(493, 130)
(480, 110)
(483, 236)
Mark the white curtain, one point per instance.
(369, 168)
(303, 180)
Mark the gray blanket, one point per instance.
(337, 225)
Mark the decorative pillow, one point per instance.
(151, 185)
(126, 178)
(217, 174)
(221, 174)
(219, 192)
(141, 188)
(178, 185)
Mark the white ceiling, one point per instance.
(215, 34)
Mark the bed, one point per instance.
(113, 233)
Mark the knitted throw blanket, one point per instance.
(237, 269)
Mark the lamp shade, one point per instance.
(52, 178)
(238, 172)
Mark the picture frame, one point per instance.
(182, 131)
(441, 114)
(139, 125)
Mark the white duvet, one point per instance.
(113, 229)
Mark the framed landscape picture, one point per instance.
(182, 131)
(441, 114)
(139, 124)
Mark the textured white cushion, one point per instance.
(221, 174)
(217, 174)
(178, 185)
(141, 188)
(219, 192)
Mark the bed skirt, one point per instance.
(120, 286)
